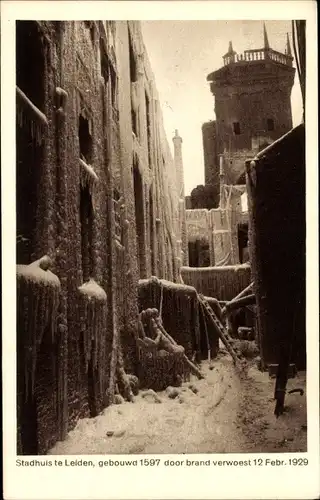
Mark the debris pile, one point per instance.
(162, 361)
(178, 308)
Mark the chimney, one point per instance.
(177, 144)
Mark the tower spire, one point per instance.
(288, 47)
(230, 56)
(265, 37)
(230, 49)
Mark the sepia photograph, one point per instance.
(160, 237)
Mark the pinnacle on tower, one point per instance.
(230, 55)
(288, 47)
(230, 49)
(176, 136)
(265, 37)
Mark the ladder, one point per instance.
(221, 331)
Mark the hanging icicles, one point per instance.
(38, 298)
(93, 320)
(88, 178)
(29, 115)
(223, 282)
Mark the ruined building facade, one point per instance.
(101, 197)
(252, 106)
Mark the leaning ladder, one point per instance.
(221, 331)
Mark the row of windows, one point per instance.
(237, 129)
(134, 115)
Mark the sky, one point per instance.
(182, 54)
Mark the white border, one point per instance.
(157, 483)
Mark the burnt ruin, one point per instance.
(119, 285)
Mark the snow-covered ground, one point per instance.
(222, 413)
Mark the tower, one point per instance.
(252, 104)
(177, 145)
(182, 242)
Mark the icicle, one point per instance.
(36, 291)
(32, 336)
(89, 328)
(97, 343)
(95, 335)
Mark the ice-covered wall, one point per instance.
(106, 208)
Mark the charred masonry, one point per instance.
(103, 230)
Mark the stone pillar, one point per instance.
(178, 162)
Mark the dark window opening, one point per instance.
(116, 194)
(85, 141)
(104, 63)
(30, 61)
(148, 128)
(243, 240)
(113, 78)
(29, 152)
(133, 62)
(86, 222)
(109, 74)
(270, 124)
(134, 122)
(117, 215)
(199, 253)
(236, 128)
(139, 215)
(90, 26)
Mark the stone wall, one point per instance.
(105, 203)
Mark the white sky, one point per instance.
(182, 54)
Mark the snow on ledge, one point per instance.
(91, 289)
(213, 269)
(33, 273)
(167, 284)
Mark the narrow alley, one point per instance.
(153, 317)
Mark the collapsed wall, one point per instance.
(277, 233)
